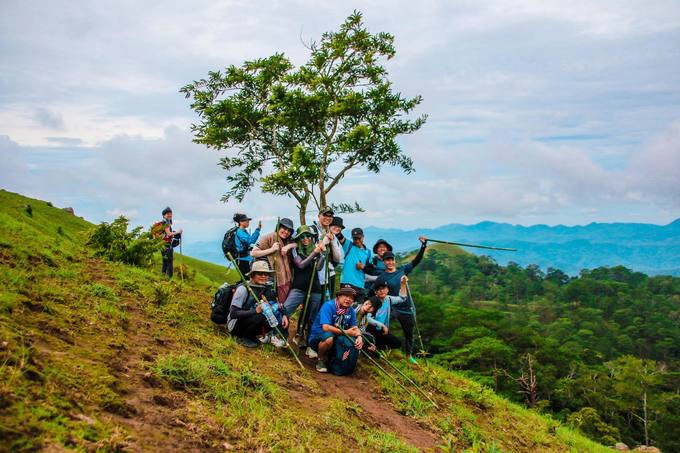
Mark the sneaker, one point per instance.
(247, 342)
(266, 338)
(278, 342)
(412, 360)
(321, 367)
(311, 353)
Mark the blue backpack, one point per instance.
(343, 357)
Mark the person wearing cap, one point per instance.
(329, 229)
(305, 280)
(357, 257)
(275, 247)
(379, 322)
(168, 234)
(336, 318)
(392, 277)
(244, 240)
(246, 322)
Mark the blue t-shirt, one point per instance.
(243, 242)
(393, 280)
(354, 255)
(328, 315)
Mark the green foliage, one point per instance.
(604, 341)
(114, 242)
(297, 132)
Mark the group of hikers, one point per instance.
(291, 270)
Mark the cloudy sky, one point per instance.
(540, 111)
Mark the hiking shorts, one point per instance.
(314, 341)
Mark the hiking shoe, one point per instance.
(412, 360)
(247, 342)
(300, 341)
(266, 338)
(321, 367)
(278, 342)
(311, 353)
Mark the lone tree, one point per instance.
(298, 131)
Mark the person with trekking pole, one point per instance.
(171, 239)
(336, 320)
(243, 241)
(357, 257)
(392, 277)
(275, 246)
(379, 322)
(329, 229)
(307, 257)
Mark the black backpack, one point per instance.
(219, 309)
(229, 243)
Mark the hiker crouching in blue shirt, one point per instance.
(363, 312)
(379, 321)
(246, 320)
(357, 257)
(244, 240)
(335, 319)
(392, 276)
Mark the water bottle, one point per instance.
(269, 314)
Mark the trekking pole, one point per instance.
(384, 357)
(472, 245)
(309, 292)
(415, 320)
(375, 362)
(276, 328)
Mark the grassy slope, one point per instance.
(97, 355)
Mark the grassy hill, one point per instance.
(97, 355)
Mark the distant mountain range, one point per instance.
(652, 249)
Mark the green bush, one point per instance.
(114, 242)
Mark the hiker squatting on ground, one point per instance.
(171, 239)
(244, 241)
(336, 319)
(247, 321)
(379, 321)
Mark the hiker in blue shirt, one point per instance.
(335, 319)
(357, 257)
(379, 322)
(392, 277)
(244, 240)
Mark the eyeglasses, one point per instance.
(306, 236)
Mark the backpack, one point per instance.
(343, 358)
(219, 308)
(229, 243)
(158, 230)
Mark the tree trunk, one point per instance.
(644, 413)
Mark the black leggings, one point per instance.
(383, 341)
(251, 326)
(244, 267)
(408, 323)
(167, 261)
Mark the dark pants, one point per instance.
(167, 261)
(331, 288)
(383, 341)
(361, 295)
(251, 326)
(244, 267)
(408, 323)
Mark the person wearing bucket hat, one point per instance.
(357, 257)
(244, 241)
(335, 319)
(168, 235)
(246, 320)
(376, 266)
(306, 258)
(275, 247)
(392, 277)
(328, 234)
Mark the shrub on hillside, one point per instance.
(114, 242)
